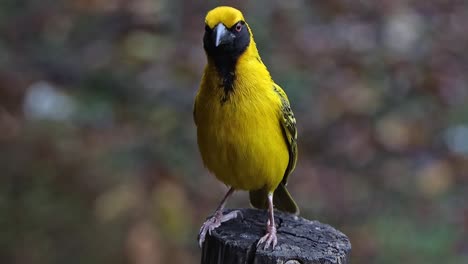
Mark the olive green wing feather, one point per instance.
(282, 199)
(288, 123)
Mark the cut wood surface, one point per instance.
(299, 241)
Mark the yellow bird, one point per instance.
(246, 130)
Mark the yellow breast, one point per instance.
(241, 140)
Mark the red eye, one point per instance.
(238, 27)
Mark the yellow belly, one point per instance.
(243, 144)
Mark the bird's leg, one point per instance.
(215, 221)
(270, 237)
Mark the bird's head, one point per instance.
(226, 33)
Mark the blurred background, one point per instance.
(98, 154)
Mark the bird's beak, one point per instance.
(222, 35)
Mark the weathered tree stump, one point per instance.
(299, 241)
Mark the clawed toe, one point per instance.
(214, 222)
(230, 215)
(269, 239)
(210, 225)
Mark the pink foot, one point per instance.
(214, 222)
(270, 237)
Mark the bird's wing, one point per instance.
(288, 124)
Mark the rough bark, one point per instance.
(299, 241)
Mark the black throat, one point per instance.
(225, 57)
(226, 67)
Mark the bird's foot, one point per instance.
(214, 222)
(270, 237)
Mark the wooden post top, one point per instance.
(299, 241)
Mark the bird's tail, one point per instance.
(282, 199)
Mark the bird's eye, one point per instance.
(207, 28)
(239, 26)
